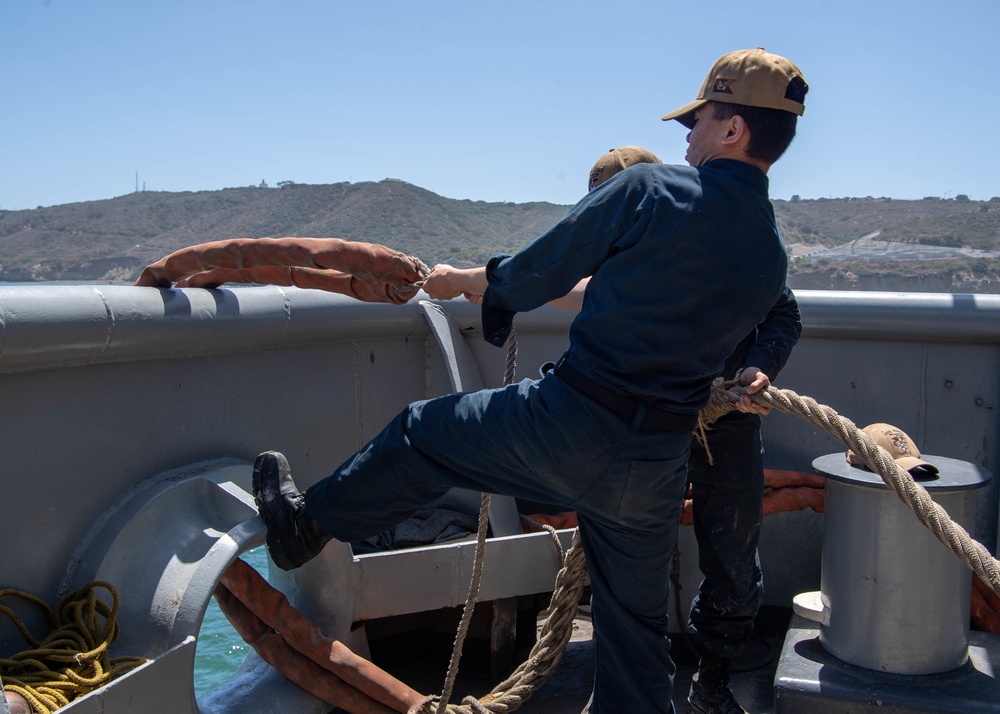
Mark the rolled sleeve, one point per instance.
(497, 319)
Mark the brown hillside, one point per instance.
(111, 240)
(115, 238)
(931, 221)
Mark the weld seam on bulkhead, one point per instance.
(110, 321)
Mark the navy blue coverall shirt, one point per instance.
(684, 262)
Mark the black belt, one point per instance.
(624, 406)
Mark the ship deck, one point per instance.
(568, 688)
(783, 668)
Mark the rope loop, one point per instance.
(72, 660)
(556, 630)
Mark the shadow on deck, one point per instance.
(421, 660)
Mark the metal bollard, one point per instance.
(892, 597)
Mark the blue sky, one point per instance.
(498, 101)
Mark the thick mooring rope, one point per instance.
(73, 659)
(470, 603)
(516, 689)
(935, 518)
(510, 368)
(556, 630)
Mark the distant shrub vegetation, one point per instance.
(111, 240)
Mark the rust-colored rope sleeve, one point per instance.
(779, 478)
(293, 665)
(794, 498)
(992, 599)
(982, 617)
(274, 610)
(374, 273)
(332, 281)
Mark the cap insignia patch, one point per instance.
(722, 85)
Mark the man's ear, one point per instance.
(736, 131)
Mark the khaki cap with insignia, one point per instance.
(755, 78)
(900, 447)
(617, 160)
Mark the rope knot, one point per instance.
(722, 400)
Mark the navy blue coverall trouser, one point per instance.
(541, 440)
(728, 512)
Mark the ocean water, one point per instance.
(220, 650)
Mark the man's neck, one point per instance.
(740, 155)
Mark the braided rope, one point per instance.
(72, 659)
(935, 518)
(510, 694)
(510, 367)
(470, 603)
(424, 271)
(477, 568)
(556, 630)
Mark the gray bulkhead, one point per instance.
(113, 395)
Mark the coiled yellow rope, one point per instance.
(73, 659)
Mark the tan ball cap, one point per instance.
(755, 78)
(900, 446)
(617, 160)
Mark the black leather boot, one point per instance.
(710, 692)
(293, 537)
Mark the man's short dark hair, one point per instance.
(771, 130)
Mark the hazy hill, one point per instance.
(931, 221)
(111, 240)
(955, 223)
